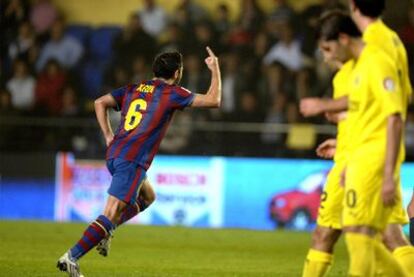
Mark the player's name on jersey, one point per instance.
(145, 88)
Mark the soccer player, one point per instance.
(328, 229)
(366, 14)
(146, 110)
(375, 116)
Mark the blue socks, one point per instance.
(95, 232)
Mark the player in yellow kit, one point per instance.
(329, 224)
(366, 14)
(360, 234)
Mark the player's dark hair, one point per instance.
(166, 64)
(336, 22)
(371, 8)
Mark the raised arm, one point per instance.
(102, 104)
(212, 99)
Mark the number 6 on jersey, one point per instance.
(134, 115)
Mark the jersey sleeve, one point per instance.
(388, 87)
(181, 98)
(119, 94)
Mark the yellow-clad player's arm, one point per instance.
(313, 106)
(394, 133)
(385, 83)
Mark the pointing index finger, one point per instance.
(210, 52)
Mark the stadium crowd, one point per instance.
(269, 61)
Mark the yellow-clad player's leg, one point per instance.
(394, 237)
(363, 206)
(320, 258)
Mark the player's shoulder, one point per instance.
(346, 67)
(181, 90)
(375, 55)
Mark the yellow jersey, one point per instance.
(383, 37)
(375, 94)
(340, 89)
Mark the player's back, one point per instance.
(375, 94)
(146, 110)
(388, 41)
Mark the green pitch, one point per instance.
(32, 249)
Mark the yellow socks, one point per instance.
(389, 265)
(405, 257)
(361, 255)
(317, 263)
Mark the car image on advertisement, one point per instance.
(298, 208)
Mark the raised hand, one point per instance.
(212, 60)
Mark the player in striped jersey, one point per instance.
(146, 110)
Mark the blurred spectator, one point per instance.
(8, 132)
(196, 12)
(232, 83)
(286, 51)
(407, 36)
(70, 105)
(140, 70)
(49, 88)
(251, 16)
(117, 77)
(175, 40)
(177, 137)
(407, 31)
(12, 14)
(222, 20)
(21, 45)
(261, 45)
(239, 38)
(282, 14)
(65, 49)
(153, 18)
(249, 112)
(42, 16)
(21, 86)
(195, 78)
(276, 114)
(133, 41)
(282, 11)
(6, 105)
(310, 17)
(204, 36)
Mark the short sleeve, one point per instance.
(119, 94)
(388, 87)
(181, 98)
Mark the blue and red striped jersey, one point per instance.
(146, 110)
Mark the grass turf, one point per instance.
(32, 249)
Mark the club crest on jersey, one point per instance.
(357, 80)
(389, 84)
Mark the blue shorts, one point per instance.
(127, 178)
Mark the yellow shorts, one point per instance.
(362, 201)
(330, 209)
